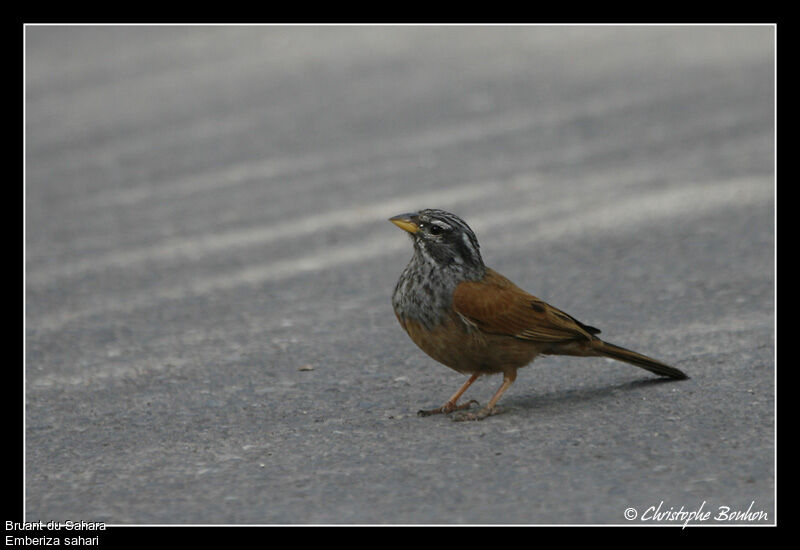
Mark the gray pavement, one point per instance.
(209, 334)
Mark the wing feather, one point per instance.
(498, 306)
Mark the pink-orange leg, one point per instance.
(489, 409)
(452, 403)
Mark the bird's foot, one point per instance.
(480, 415)
(447, 408)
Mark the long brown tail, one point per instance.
(647, 363)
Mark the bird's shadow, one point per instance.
(560, 398)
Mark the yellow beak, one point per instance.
(405, 222)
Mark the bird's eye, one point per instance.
(436, 230)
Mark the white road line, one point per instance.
(474, 130)
(585, 216)
(194, 247)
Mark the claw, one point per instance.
(447, 408)
(480, 415)
(461, 406)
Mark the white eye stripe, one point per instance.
(468, 243)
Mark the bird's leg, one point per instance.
(452, 403)
(489, 409)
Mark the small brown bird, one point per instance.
(472, 319)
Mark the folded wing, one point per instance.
(498, 306)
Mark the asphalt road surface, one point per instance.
(209, 333)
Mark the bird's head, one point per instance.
(443, 239)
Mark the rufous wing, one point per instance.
(497, 306)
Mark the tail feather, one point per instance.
(647, 363)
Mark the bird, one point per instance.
(474, 320)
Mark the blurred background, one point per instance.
(209, 334)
